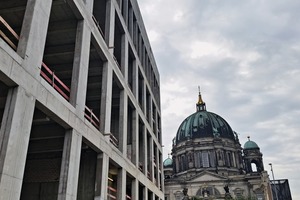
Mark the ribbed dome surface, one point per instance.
(203, 124)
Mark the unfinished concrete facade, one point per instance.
(79, 102)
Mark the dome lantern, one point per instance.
(200, 104)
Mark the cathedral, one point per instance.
(208, 162)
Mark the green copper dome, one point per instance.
(203, 124)
(168, 162)
(250, 145)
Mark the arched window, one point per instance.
(253, 167)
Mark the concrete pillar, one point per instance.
(135, 189)
(33, 35)
(14, 140)
(145, 193)
(121, 184)
(155, 128)
(89, 5)
(124, 57)
(143, 151)
(123, 122)
(151, 165)
(162, 185)
(135, 75)
(68, 181)
(125, 11)
(150, 112)
(80, 67)
(106, 98)
(157, 167)
(130, 21)
(101, 177)
(144, 98)
(110, 25)
(135, 138)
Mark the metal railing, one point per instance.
(5, 37)
(88, 113)
(56, 83)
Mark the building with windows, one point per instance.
(79, 102)
(208, 162)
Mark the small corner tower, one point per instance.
(252, 157)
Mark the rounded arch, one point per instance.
(253, 167)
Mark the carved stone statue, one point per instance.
(185, 195)
(226, 188)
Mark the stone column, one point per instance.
(145, 193)
(121, 184)
(80, 67)
(106, 98)
(135, 138)
(157, 167)
(110, 25)
(151, 155)
(130, 21)
(33, 35)
(123, 122)
(101, 177)
(70, 166)
(135, 76)
(124, 57)
(14, 140)
(134, 189)
(143, 151)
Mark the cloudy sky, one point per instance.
(245, 55)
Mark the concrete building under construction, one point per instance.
(79, 102)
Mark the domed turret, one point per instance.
(252, 155)
(168, 162)
(250, 145)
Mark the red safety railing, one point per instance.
(88, 113)
(111, 192)
(5, 37)
(140, 166)
(113, 140)
(56, 83)
(48, 74)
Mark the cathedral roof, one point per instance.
(203, 124)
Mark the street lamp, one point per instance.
(274, 181)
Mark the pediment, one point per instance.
(206, 176)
